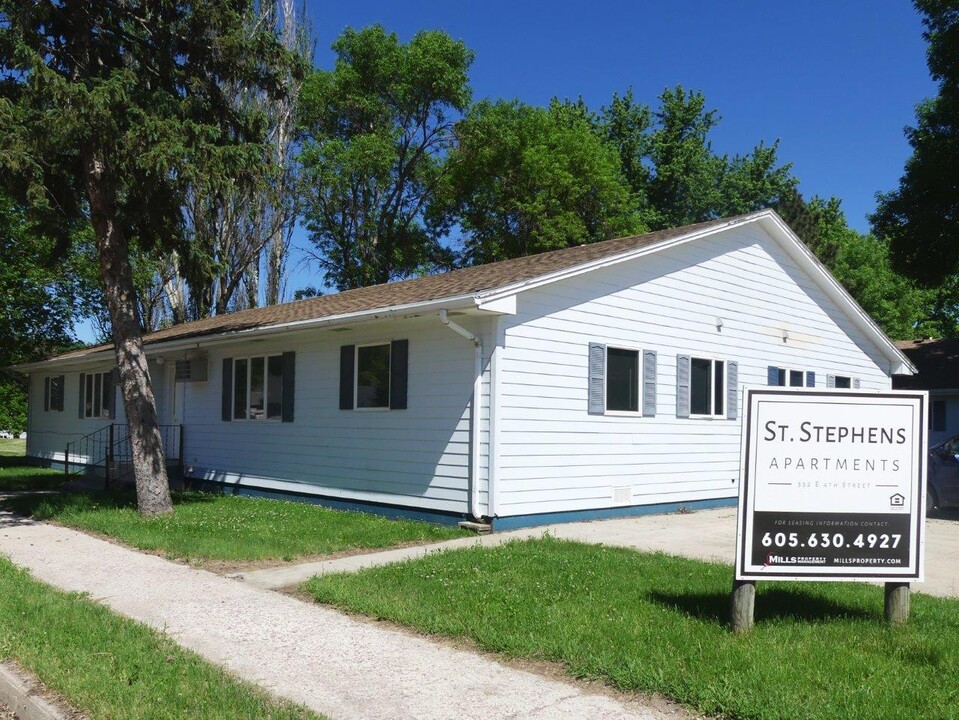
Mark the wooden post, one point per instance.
(66, 460)
(897, 603)
(742, 606)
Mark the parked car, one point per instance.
(943, 475)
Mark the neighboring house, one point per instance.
(594, 381)
(937, 370)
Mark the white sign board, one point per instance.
(832, 485)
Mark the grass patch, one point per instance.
(12, 448)
(111, 667)
(655, 623)
(15, 474)
(229, 528)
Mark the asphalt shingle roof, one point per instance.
(456, 283)
(937, 363)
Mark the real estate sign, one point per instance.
(832, 485)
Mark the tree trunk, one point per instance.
(149, 466)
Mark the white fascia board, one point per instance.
(566, 273)
(505, 305)
(781, 233)
(461, 302)
(776, 227)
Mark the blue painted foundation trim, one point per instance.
(392, 512)
(516, 522)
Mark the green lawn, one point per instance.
(111, 667)
(12, 448)
(227, 528)
(655, 623)
(15, 474)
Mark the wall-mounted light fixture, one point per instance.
(719, 324)
(785, 334)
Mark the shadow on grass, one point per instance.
(49, 507)
(772, 604)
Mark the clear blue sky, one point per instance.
(835, 81)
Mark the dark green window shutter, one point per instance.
(732, 389)
(112, 380)
(772, 376)
(649, 383)
(596, 392)
(226, 399)
(347, 353)
(810, 379)
(399, 371)
(682, 385)
(83, 385)
(289, 384)
(46, 394)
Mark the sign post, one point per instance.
(832, 487)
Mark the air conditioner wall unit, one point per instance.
(194, 369)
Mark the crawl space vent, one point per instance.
(622, 495)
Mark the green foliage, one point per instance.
(920, 219)
(804, 221)
(862, 264)
(13, 404)
(527, 179)
(39, 290)
(138, 84)
(376, 130)
(658, 624)
(237, 529)
(674, 173)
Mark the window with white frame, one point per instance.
(707, 387)
(790, 377)
(258, 388)
(622, 379)
(372, 390)
(96, 390)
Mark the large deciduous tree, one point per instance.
(862, 264)
(528, 179)
(377, 128)
(108, 111)
(920, 219)
(674, 173)
(42, 292)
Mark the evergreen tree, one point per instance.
(108, 111)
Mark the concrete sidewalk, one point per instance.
(313, 655)
(705, 535)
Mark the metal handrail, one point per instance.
(108, 449)
(90, 441)
(171, 437)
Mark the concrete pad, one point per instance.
(336, 665)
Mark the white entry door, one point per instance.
(175, 393)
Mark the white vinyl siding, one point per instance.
(418, 457)
(49, 432)
(554, 456)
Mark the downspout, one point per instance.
(475, 415)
